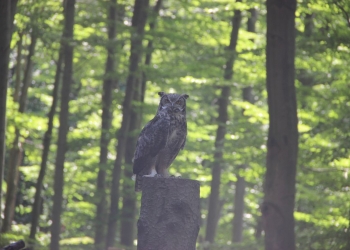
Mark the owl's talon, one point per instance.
(173, 176)
(158, 175)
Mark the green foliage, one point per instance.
(188, 57)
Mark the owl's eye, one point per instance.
(179, 102)
(166, 101)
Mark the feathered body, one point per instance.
(161, 139)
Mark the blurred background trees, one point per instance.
(120, 60)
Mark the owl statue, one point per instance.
(161, 139)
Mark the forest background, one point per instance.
(96, 80)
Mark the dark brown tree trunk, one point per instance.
(108, 85)
(63, 128)
(129, 198)
(282, 144)
(149, 49)
(138, 22)
(5, 37)
(18, 68)
(238, 210)
(127, 217)
(309, 25)
(170, 214)
(27, 79)
(46, 149)
(221, 131)
(258, 228)
(252, 20)
(12, 181)
(16, 150)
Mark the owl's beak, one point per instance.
(177, 110)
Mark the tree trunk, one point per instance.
(63, 118)
(149, 49)
(18, 68)
(5, 37)
(108, 85)
(138, 23)
(238, 210)
(16, 150)
(252, 20)
(220, 133)
(129, 197)
(12, 181)
(282, 144)
(170, 214)
(27, 79)
(46, 149)
(309, 24)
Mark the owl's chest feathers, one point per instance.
(177, 130)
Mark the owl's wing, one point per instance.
(184, 142)
(151, 140)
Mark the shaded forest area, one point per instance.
(268, 118)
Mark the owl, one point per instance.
(161, 139)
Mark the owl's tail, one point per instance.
(138, 183)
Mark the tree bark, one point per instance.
(46, 149)
(108, 85)
(252, 20)
(129, 197)
(18, 68)
(5, 37)
(12, 182)
(138, 24)
(238, 210)
(221, 132)
(16, 150)
(63, 118)
(149, 49)
(282, 144)
(170, 214)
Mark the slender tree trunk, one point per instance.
(221, 131)
(108, 85)
(282, 144)
(46, 149)
(63, 118)
(238, 210)
(138, 22)
(18, 68)
(252, 20)
(129, 197)
(309, 25)
(5, 37)
(8, 10)
(16, 150)
(27, 75)
(258, 228)
(12, 181)
(149, 49)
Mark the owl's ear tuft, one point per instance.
(186, 96)
(161, 94)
